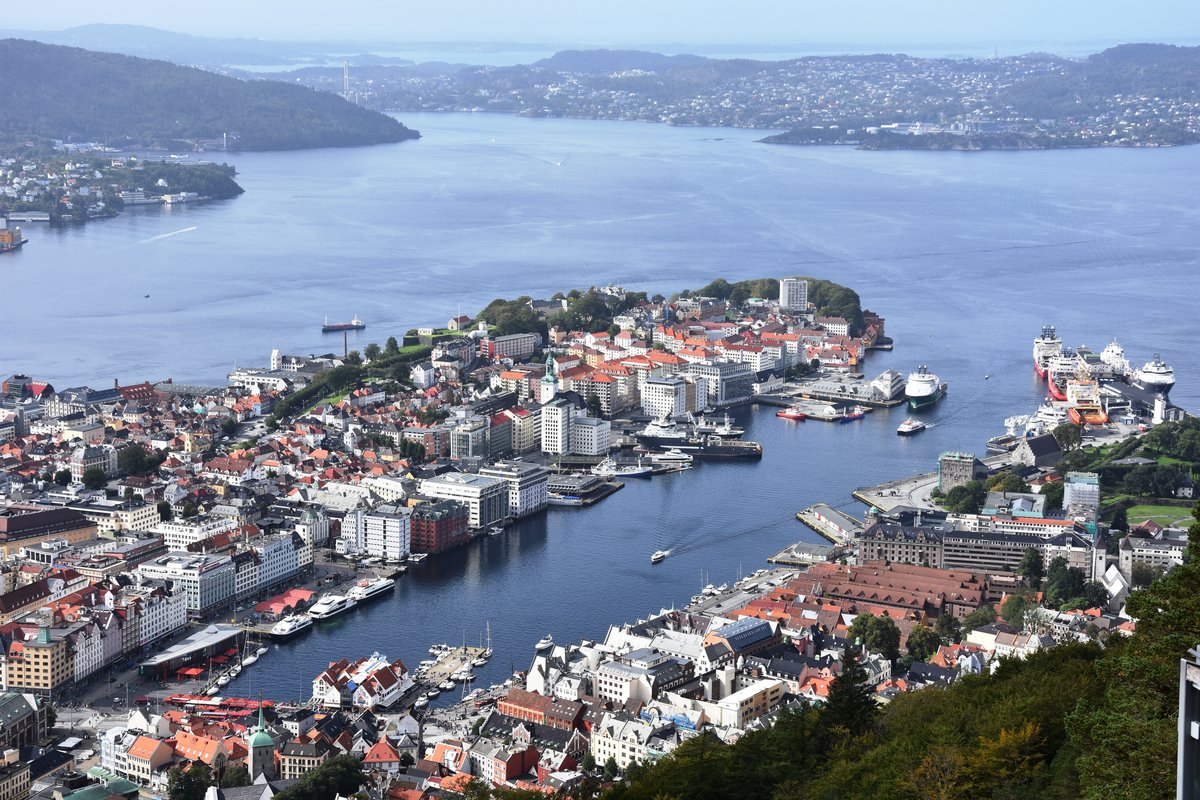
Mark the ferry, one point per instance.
(290, 626)
(792, 412)
(545, 643)
(910, 426)
(330, 606)
(671, 457)
(658, 555)
(923, 388)
(1045, 347)
(609, 468)
(355, 324)
(363, 591)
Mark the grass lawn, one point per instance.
(1163, 515)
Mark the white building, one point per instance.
(388, 533)
(527, 486)
(278, 559)
(665, 396)
(208, 581)
(180, 533)
(793, 294)
(590, 436)
(556, 427)
(486, 498)
(627, 739)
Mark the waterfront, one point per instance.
(966, 255)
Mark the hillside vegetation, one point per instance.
(80, 95)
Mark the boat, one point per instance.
(417, 558)
(793, 412)
(422, 701)
(609, 468)
(465, 677)
(250, 659)
(852, 413)
(1045, 347)
(355, 324)
(262, 651)
(910, 426)
(330, 606)
(671, 457)
(495, 530)
(364, 591)
(725, 430)
(659, 555)
(11, 239)
(291, 625)
(237, 670)
(923, 388)
(664, 432)
(479, 662)
(446, 685)
(1156, 376)
(432, 693)
(212, 690)
(440, 649)
(223, 680)
(545, 643)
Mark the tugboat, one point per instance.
(659, 555)
(792, 412)
(910, 426)
(355, 324)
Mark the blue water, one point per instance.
(966, 255)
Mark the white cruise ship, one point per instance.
(364, 591)
(291, 625)
(330, 606)
(923, 388)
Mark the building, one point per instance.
(22, 527)
(901, 544)
(42, 666)
(179, 534)
(1081, 495)
(438, 526)
(556, 426)
(470, 439)
(793, 294)
(1187, 775)
(298, 757)
(958, 469)
(14, 776)
(1157, 554)
(101, 457)
(626, 739)
(22, 720)
(1037, 451)
(590, 436)
(527, 486)
(641, 675)
(486, 498)
(727, 383)
(208, 581)
(665, 396)
(516, 346)
(388, 533)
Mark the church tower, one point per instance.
(261, 760)
(549, 385)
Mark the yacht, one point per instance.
(417, 558)
(290, 626)
(659, 555)
(479, 662)
(432, 693)
(223, 680)
(910, 426)
(330, 606)
(250, 659)
(364, 591)
(422, 701)
(446, 685)
(545, 643)
(440, 649)
(212, 690)
(262, 651)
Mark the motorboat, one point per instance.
(364, 591)
(290, 626)
(659, 555)
(446, 685)
(262, 651)
(479, 662)
(330, 606)
(545, 643)
(250, 659)
(422, 701)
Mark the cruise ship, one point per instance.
(1045, 347)
(1156, 376)
(330, 606)
(290, 626)
(364, 591)
(923, 388)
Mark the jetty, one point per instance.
(837, 527)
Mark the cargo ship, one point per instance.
(11, 239)
(1045, 348)
(923, 388)
(355, 324)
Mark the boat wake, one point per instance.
(167, 235)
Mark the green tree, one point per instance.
(164, 511)
(922, 642)
(851, 709)
(339, 775)
(948, 628)
(189, 784)
(354, 358)
(1053, 492)
(965, 499)
(62, 477)
(94, 478)
(984, 615)
(611, 770)
(391, 347)
(877, 634)
(371, 351)
(132, 460)
(1014, 609)
(1069, 436)
(594, 408)
(1006, 482)
(1032, 567)
(235, 776)
(229, 426)
(589, 763)
(406, 759)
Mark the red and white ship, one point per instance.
(1045, 348)
(793, 412)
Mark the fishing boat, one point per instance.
(609, 468)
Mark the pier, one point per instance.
(802, 554)
(914, 491)
(448, 664)
(830, 523)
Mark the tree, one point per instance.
(62, 477)
(851, 709)
(406, 759)
(1069, 436)
(877, 634)
(589, 762)
(132, 460)
(229, 426)
(371, 351)
(339, 775)
(610, 768)
(1063, 582)
(94, 478)
(164, 511)
(984, 615)
(1006, 482)
(948, 628)
(922, 642)
(354, 358)
(1014, 609)
(594, 408)
(235, 776)
(1032, 567)
(965, 499)
(391, 347)
(1053, 492)
(190, 784)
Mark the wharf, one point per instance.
(831, 389)
(914, 491)
(839, 528)
(450, 663)
(802, 554)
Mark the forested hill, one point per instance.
(81, 95)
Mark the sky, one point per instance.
(619, 22)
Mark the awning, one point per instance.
(220, 659)
(190, 672)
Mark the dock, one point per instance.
(914, 491)
(802, 554)
(839, 528)
(450, 663)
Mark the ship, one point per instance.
(671, 458)
(923, 388)
(852, 413)
(910, 426)
(11, 239)
(365, 591)
(330, 606)
(659, 555)
(290, 626)
(666, 434)
(1156, 376)
(355, 324)
(792, 412)
(609, 468)
(545, 643)
(1045, 347)
(725, 429)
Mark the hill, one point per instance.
(81, 95)
(603, 61)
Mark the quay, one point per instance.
(801, 554)
(450, 663)
(830, 523)
(914, 491)
(837, 389)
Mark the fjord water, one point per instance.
(965, 254)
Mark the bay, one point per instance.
(965, 254)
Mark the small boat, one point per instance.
(237, 670)
(262, 651)
(146, 295)
(792, 412)
(446, 685)
(467, 677)
(545, 643)
(853, 413)
(212, 690)
(659, 555)
(417, 558)
(910, 426)
(422, 701)
(432, 693)
(250, 659)
(440, 649)
(427, 663)
(479, 662)
(223, 680)
(495, 530)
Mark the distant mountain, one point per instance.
(603, 61)
(73, 94)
